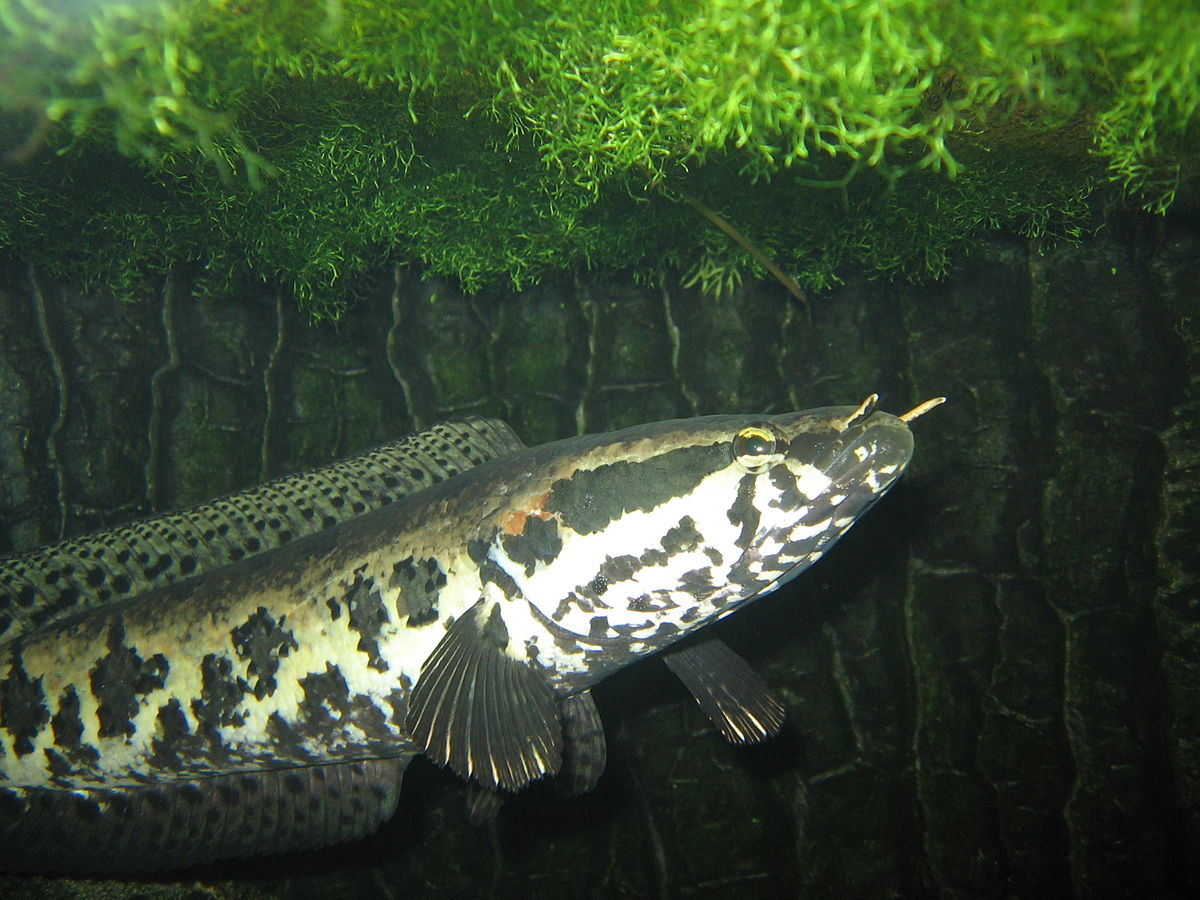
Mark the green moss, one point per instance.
(305, 142)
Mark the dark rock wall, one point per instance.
(993, 683)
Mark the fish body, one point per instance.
(50, 583)
(466, 621)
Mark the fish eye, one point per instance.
(753, 447)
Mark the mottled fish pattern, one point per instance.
(62, 579)
(465, 621)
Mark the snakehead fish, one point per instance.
(272, 703)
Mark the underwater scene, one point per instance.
(666, 449)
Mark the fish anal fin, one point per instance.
(483, 805)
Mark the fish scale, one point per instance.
(461, 621)
(257, 814)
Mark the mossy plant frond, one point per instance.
(611, 83)
(307, 141)
(133, 70)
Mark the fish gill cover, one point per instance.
(304, 143)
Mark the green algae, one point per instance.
(306, 143)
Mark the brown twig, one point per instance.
(717, 219)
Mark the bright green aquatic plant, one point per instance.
(306, 142)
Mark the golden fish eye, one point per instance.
(753, 446)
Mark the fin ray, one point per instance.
(482, 713)
(730, 693)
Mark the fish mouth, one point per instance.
(844, 460)
(875, 456)
(870, 449)
(860, 462)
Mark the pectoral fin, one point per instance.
(731, 694)
(583, 757)
(482, 713)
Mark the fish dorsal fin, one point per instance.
(481, 712)
(176, 824)
(50, 583)
(731, 694)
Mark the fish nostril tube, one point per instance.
(921, 408)
(864, 409)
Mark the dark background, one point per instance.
(993, 683)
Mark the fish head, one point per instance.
(807, 478)
(627, 541)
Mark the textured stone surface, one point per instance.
(993, 684)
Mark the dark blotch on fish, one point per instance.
(261, 641)
(67, 727)
(697, 582)
(590, 500)
(419, 583)
(176, 738)
(744, 512)
(57, 764)
(619, 568)
(220, 697)
(326, 702)
(539, 541)
(23, 709)
(790, 498)
(119, 678)
(288, 741)
(490, 571)
(368, 616)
